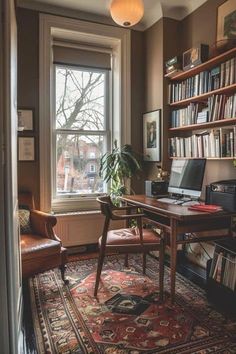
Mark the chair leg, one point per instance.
(126, 260)
(99, 270)
(144, 262)
(63, 269)
(161, 269)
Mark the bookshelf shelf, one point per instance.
(204, 66)
(200, 99)
(221, 122)
(208, 158)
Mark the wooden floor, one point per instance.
(29, 342)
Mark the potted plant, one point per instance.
(118, 167)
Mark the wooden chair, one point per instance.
(127, 240)
(41, 249)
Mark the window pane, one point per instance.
(80, 99)
(78, 160)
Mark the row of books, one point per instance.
(215, 143)
(185, 116)
(219, 107)
(223, 269)
(205, 81)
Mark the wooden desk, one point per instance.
(176, 220)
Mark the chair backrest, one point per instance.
(106, 206)
(26, 200)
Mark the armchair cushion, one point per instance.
(33, 246)
(24, 221)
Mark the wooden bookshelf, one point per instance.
(220, 123)
(216, 138)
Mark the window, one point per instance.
(81, 130)
(102, 39)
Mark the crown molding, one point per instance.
(154, 10)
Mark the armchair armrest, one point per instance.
(43, 223)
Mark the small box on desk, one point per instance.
(155, 188)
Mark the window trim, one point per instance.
(59, 203)
(118, 39)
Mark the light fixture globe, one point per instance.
(127, 12)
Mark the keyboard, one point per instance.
(184, 202)
(170, 200)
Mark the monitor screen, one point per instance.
(186, 177)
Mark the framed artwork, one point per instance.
(226, 21)
(25, 119)
(152, 136)
(26, 149)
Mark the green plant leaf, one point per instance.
(118, 166)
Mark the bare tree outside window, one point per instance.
(81, 129)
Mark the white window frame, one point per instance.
(92, 167)
(59, 203)
(115, 38)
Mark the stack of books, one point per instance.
(173, 66)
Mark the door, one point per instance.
(10, 277)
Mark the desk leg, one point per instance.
(173, 258)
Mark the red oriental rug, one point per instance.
(127, 317)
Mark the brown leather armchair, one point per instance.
(41, 249)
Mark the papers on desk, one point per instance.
(208, 208)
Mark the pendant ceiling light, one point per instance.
(127, 12)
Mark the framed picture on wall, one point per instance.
(152, 136)
(25, 119)
(26, 149)
(226, 21)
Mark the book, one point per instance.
(209, 208)
(215, 78)
(218, 268)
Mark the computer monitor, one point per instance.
(186, 177)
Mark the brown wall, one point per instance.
(153, 89)
(161, 43)
(137, 99)
(200, 26)
(171, 31)
(28, 92)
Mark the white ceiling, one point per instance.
(154, 9)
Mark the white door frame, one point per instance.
(10, 278)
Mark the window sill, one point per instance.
(74, 213)
(82, 204)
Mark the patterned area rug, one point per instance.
(127, 317)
